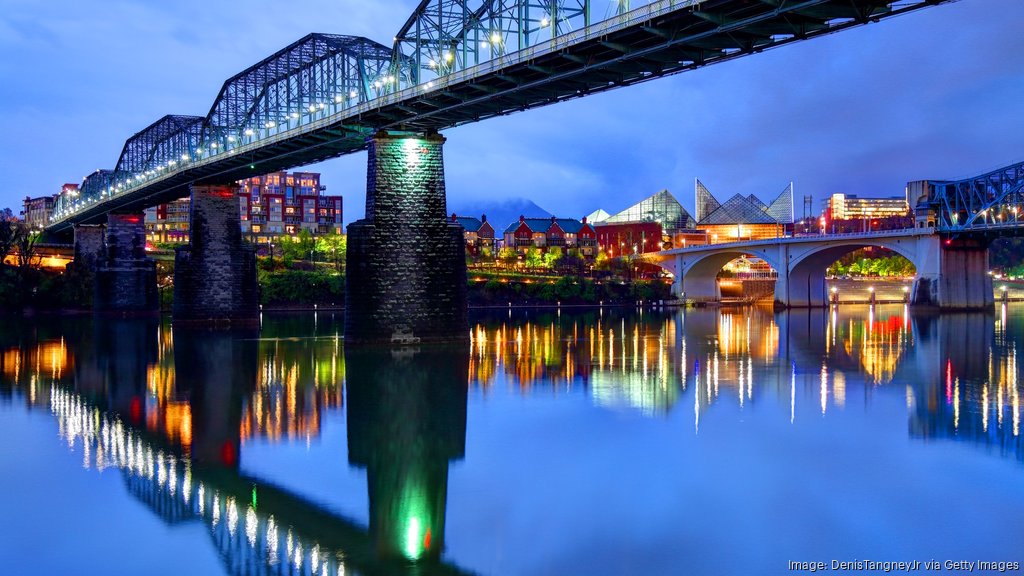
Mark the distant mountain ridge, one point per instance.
(501, 213)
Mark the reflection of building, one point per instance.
(545, 233)
(478, 232)
(743, 217)
(271, 206)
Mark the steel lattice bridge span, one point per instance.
(452, 63)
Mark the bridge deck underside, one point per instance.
(647, 47)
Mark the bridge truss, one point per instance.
(989, 202)
(452, 63)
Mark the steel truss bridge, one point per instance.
(991, 203)
(452, 63)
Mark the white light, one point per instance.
(312, 108)
(199, 151)
(271, 124)
(184, 156)
(544, 22)
(173, 162)
(213, 145)
(352, 94)
(495, 38)
(483, 44)
(432, 64)
(447, 56)
(321, 105)
(338, 99)
(231, 138)
(294, 115)
(377, 84)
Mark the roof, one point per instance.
(469, 223)
(661, 207)
(568, 225)
(743, 209)
(598, 215)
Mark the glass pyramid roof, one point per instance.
(743, 209)
(662, 208)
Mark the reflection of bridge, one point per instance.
(404, 435)
(453, 62)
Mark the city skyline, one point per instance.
(918, 97)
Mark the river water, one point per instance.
(600, 442)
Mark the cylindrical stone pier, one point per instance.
(125, 277)
(406, 262)
(215, 275)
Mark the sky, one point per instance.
(934, 94)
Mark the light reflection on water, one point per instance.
(174, 411)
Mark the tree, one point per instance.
(601, 262)
(333, 247)
(9, 230)
(26, 245)
(534, 259)
(508, 256)
(553, 256)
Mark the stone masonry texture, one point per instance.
(406, 263)
(215, 275)
(125, 278)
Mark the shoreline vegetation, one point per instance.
(309, 274)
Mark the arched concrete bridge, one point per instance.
(952, 273)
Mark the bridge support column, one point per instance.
(125, 277)
(956, 277)
(89, 250)
(406, 263)
(215, 275)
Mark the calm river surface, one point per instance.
(710, 442)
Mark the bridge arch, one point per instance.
(697, 274)
(808, 263)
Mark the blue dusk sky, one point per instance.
(932, 94)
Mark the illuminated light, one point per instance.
(249, 132)
(200, 151)
(432, 64)
(270, 124)
(338, 99)
(448, 57)
(294, 115)
(412, 539)
(231, 138)
(352, 94)
(213, 145)
(495, 38)
(312, 108)
(377, 84)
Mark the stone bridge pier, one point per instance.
(952, 273)
(215, 275)
(406, 262)
(111, 261)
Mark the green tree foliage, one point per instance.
(508, 256)
(534, 259)
(553, 257)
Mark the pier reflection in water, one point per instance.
(173, 411)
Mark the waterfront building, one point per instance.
(36, 211)
(270, 206)
(743, 217)
(629, 237)
(636, 225)
(479, 233)
(543, 233)
(850, 207)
